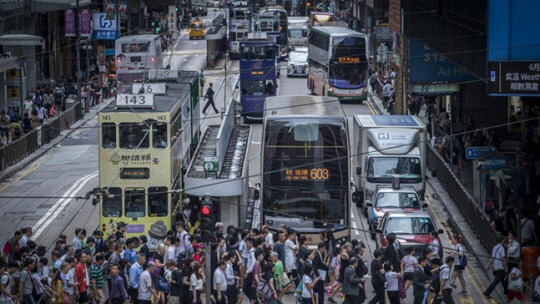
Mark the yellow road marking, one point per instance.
(36, 164)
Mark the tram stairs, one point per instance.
(219, 168)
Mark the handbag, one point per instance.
(401, 288)
(162, 284)
(264, 289)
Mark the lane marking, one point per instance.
(256, 142)
(27, 171)
(59, 206)
(355, 228)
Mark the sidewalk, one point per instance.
(479, 255)
(8, 172)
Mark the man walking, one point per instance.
(210, 96)
(135, 272)
(175, 283)
(351, 283)
(220, 283)
(96, 279)
(445, 291)
(146, 289)
(419, 281)
(320, 269)
(81, 277)
(498, 261)
(378, 279)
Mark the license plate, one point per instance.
(299, 70)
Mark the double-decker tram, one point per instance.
(338, 63)
(239, 26)
(258, 64)
(134, 56)
(146, 139)
(305, 180)
(281, 14)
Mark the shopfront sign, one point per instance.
(103, 28)
(434, 89)
(514, 78)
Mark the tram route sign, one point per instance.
(159, 88)
(143, 101)
(162, 74)
(211, 164)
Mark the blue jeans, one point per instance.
(306, 300)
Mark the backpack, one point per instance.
(436, 280)
(7, 275)
(17, 130)
(463, 259)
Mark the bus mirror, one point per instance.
(256, 195)
(358, 171)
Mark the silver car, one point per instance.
(297, 64)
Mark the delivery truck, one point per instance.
(387, 148)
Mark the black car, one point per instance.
(186, 19)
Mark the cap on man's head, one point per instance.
(220, 225)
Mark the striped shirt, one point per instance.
(95, 273)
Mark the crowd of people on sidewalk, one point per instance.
(44, 103)
(261, 265)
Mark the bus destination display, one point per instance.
(314, 174)
(258, 73)
(134, 173)
(348, 59)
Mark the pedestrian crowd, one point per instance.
(261, 265)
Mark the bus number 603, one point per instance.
(318, 173)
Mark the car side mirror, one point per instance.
(424, 205)
(369, 203)
(358, 170)
(440, 231)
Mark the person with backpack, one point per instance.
(15, 128)
(58, 97)
(460, 262)
(6, 297)
(441, 283)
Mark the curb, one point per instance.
(10, 171)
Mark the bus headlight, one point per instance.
(330, 88)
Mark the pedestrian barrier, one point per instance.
(17, 150)
(467, 205)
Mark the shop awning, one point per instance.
(8, 64)
(21, 40)
(44, 6)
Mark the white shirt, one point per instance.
(145, 282)
(4, 279)
(219, 278)
(229, 274)
(195, 283)
(537, 285)
(76, 243)
(22, 241)
(251, 260)
(70, 277)
(183, 239)
(269, 239)
(387, 90)
(170, 254)
(306, 293)
(290, 258)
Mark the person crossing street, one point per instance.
(210, 96)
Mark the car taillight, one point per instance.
(153, 59)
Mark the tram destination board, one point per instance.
(134, 173)
(135, 101)
(303, 174)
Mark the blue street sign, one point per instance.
(479, 152)
(495, 163)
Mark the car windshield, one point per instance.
(297, 33)
(409, 225)
(381, 169)
(397, 200)
(298, 57)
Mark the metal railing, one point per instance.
(17, 150)
(467, 205)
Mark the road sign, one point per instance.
(211, 164)
(480, 152)
(495, 163)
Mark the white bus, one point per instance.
(134, 55)
(338, 63)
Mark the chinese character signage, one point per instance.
(70, 23)
(514, 78)
(110, 10)
(86, 25)
(103, 28)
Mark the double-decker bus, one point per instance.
(305, 180)
(134, 55)
(145, 141)
(239, 27)
(258, 63)
(338, 63)
(278, 11)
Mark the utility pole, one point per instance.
(78, 55)
(208, 271)
(225, 88)
(118, 31)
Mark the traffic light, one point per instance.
(207, 219)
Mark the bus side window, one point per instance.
(134, 203)
(158, 201)
(108, 135)
(112, 204)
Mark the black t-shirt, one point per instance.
(176, 284)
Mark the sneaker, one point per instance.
(464, 292)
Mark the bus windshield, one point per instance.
(346, 76)
(381, 169)
(135, 47)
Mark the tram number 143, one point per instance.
(135, 101)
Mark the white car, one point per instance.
(297, 64)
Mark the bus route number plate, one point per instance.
(162, 74)
(135, 101)
(149, 88)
